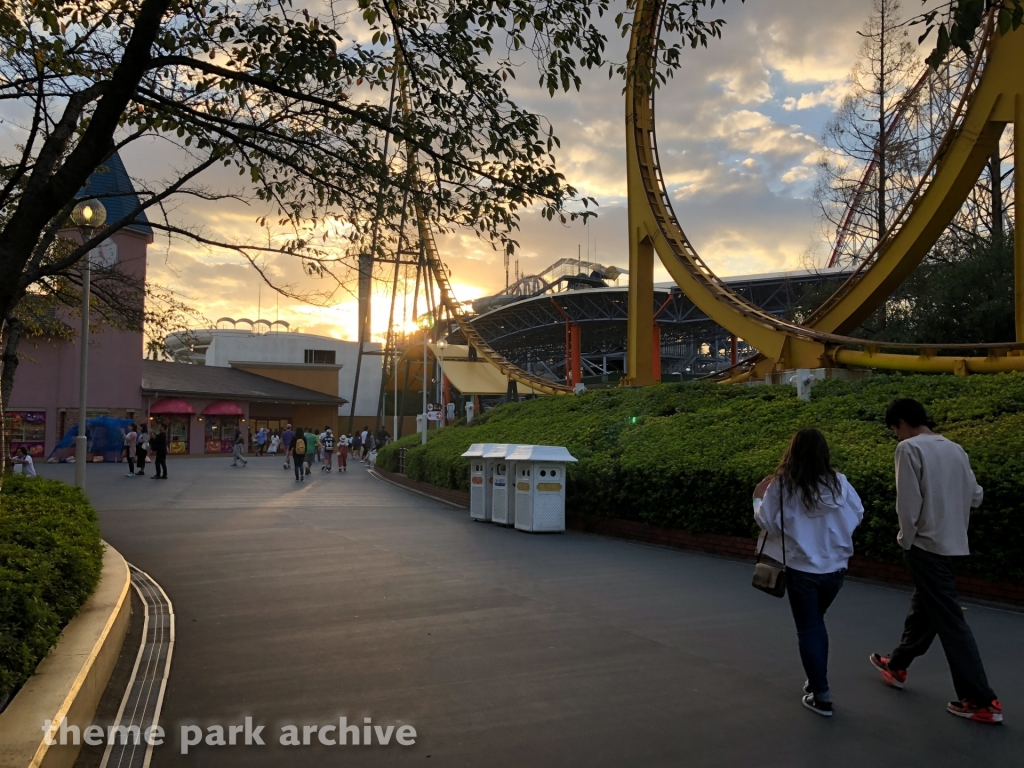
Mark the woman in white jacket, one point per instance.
(821, 510)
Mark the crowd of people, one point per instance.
(303, 447)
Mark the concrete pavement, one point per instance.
(345, 596)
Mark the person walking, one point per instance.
(239, 448)
(142, 450)
(812, 510)
(159, 447)
(275, 442)
(354, 447)
(312, 444)
(327, 441)
(364, 439)
(343, 453)
(261, 441)
(297, 454)
(287, 438)
(935, 492)
(131, 441)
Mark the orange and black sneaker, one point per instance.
(895, 678)
(992, 713)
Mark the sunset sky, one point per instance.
(738, 131)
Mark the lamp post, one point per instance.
(441, 345)
(88, 215)
(426, 323)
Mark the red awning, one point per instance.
(223, 408)
(171, 405)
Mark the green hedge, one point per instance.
(688, 455)
(51, 556)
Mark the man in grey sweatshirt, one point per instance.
(935, 492)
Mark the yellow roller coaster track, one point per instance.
(997, 99)
(473, 337)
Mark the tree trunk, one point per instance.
(10, 337)
(995, 172)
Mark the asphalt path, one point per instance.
(343, 596)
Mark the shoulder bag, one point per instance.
(771, 578)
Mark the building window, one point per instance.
(320, 356)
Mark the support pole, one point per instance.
(733, 351)
(577, 366)
(1018, 227)
(82, 441)
(656, 353)
(639, 347)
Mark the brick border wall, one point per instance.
(733, 546)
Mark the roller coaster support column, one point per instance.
(1018, 230)
(576, 370)
(639, 339)
(656, 353)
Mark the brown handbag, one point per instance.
(771, 578)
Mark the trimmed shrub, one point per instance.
(51, 556)
(689, 455)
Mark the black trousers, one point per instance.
(160, 464)
(935, 610)
(140, 456)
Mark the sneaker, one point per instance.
(155, 477)
(807, 686)
(896, 678)
(286, 466)
(993, 713)
(823, 708)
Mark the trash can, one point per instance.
(540, 487)
(479, 496)
(503, 503)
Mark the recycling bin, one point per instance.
(540, 487)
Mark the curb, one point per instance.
(424, 494)
(70, 680)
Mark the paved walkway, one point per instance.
(346, 596)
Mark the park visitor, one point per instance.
(275, 441)
(130, 442)
(312, 444)
(818, 510)
(935, 492)
(239, 446)
(343, 453)
(297, 455)
(327, 440)
(364, 439)
(287, 437)
(261, 441)
(142, 450)
(354, 446)
(24, 459)
(159, 447)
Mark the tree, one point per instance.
(870, 164)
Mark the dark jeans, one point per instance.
(935, 610)
(141, 456)
(810, 595)
(299, 467)
(160, 464)
(131, 464)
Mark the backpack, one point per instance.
(300, 445)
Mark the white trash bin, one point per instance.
(503, 504)
(480, 478)
(540, 487)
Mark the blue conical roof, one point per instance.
(111, 185)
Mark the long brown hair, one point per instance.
(806, 466)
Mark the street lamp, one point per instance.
(87, 216)
(426, 322)
(441, 345)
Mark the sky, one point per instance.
(738, 128)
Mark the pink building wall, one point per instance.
(48, 371)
